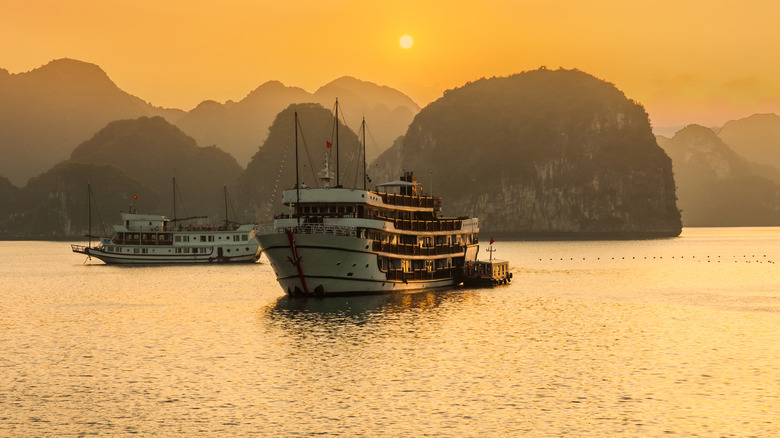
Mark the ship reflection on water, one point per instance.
(361, 309)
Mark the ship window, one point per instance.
(211, 238)
(202, 238)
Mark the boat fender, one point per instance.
(157, 228)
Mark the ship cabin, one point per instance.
(152, 229)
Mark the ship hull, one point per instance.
(112, 258)
(334, 265)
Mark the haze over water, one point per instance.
(598, 338)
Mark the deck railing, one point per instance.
(336, 230)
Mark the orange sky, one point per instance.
(687, 61)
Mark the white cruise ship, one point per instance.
(339, 241)
(155, 239)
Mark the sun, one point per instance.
(406, 41)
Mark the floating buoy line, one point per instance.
(744, 258)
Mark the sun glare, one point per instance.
(406, 41)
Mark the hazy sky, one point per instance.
(686, 61)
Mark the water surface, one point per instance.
(599, 338)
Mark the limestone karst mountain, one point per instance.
(715, 185)
(46, 112)
(153, 152)
(241, 127)
(757, 139)
(542, 153)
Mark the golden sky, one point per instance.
(686, 61)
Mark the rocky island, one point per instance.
(544, 153)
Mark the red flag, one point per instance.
(327, 143)
(135, 196)
(491, 240)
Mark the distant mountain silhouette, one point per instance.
(541, 153)
(757, 138)
(716, 186)
(388, 112)
(241, 127)
(152, 151)
(48, 111)
(272, 169)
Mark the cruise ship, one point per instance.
(338, 241)
(149, 239)
(154, 239)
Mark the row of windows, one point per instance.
(210, 238)
(141, 250)
(388, 263)
(422, 241)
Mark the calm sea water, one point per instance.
(601, 338)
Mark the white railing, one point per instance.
(336, 230)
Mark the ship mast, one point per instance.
(224, 188)
(89, 214)
(174, 199)
(338, 184)
(297, 182)
(364, 152)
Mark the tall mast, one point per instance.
(297, 183)
(224, 187)
(174, 198)
(338, 184)
(89, 214)
(364, 152)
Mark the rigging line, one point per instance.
(275, 190)
(340, 117)
(359, 155)
(181, 199)
(308, 156)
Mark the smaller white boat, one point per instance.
(147, 239)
